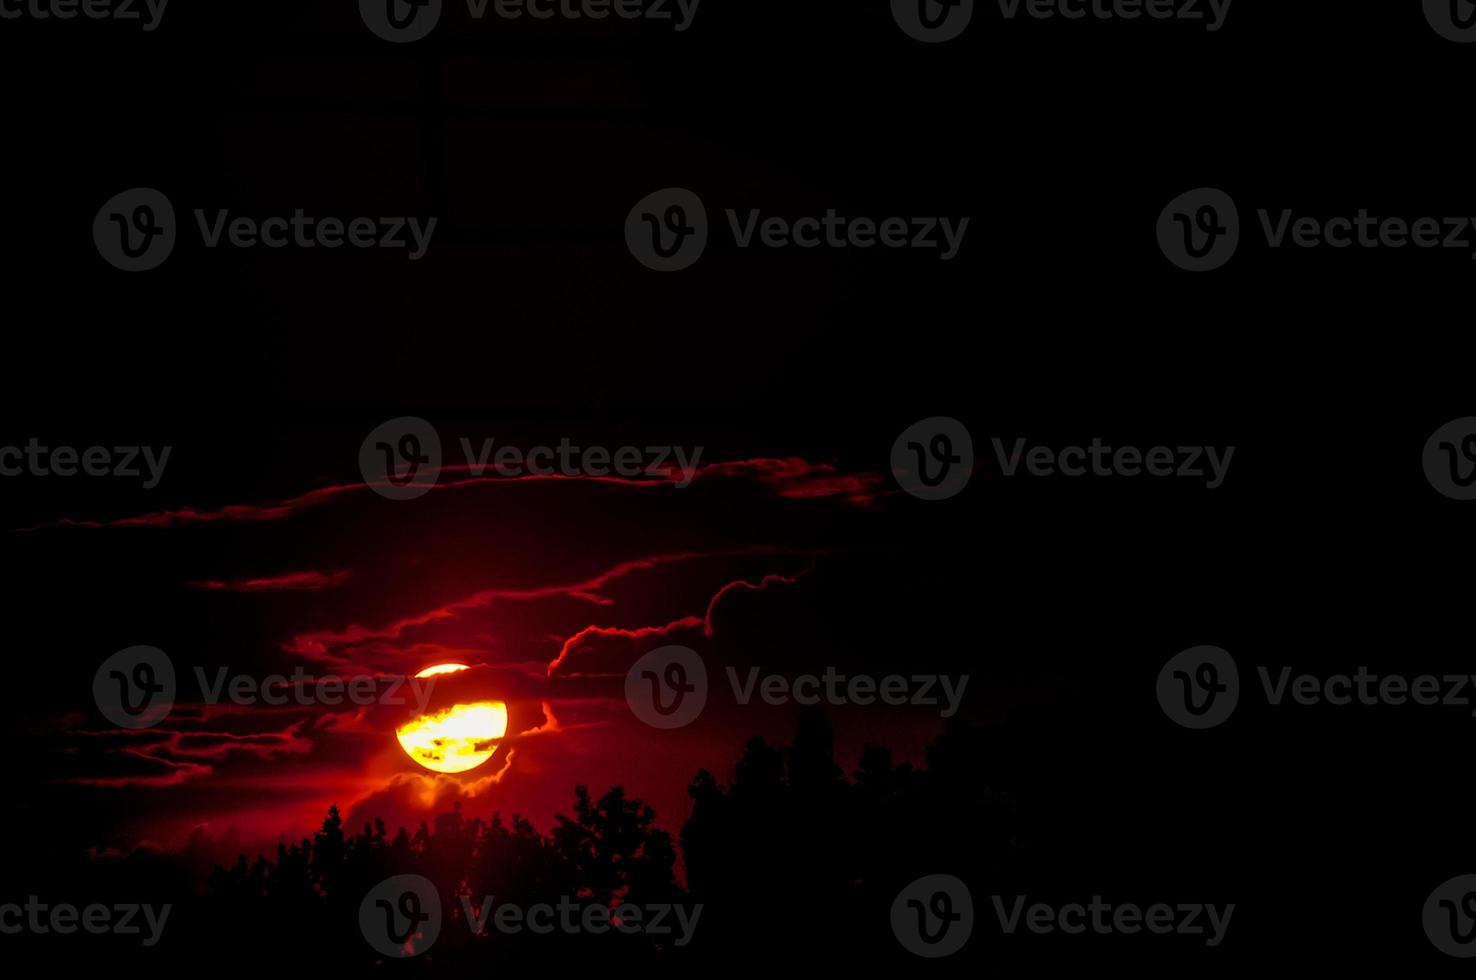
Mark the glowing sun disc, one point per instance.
(458, 738)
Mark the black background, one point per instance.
(1060, 320)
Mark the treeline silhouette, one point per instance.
(790, 858)
(792, 861)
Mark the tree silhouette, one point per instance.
(791, 844)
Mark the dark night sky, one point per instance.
(529, 322)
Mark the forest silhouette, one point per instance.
(790, 857)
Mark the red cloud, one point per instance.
(800, 479)
(610, 650)
(184, 755)
(175, 773)
(585, 644)
(342, 646)
(290, 582)
(791, 477)
(409, 797)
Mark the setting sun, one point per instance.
(458, 738)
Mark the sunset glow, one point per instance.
(442, 669)
(458, 738)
